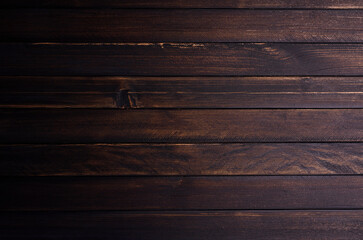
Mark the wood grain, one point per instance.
(183, 225)
(173, 25)
(244, 92)
(182, 193)
(180, 126)
(304, 4)
(61, 92)
(72, 84)
(181, 159)
(246, 100)
(158, 119)
(187, 59)
(60, 100)
(181, 92)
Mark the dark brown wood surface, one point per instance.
(182, 126)
(181, 92)
(196, 225)
(244, 92)
(304, 4)
(192, 25)
(181, 193)
(181, 59)
(181, 159)
(159, 119)
(64, 100)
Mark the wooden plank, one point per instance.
(305, 4)
(182, 193)
(244, 92)
(181, 92)
(183, 225)
(173, 25)
(61, 92)
(218, 59)
(180, 126)
(59, 100)
(72, 84)
(247, 100)
(181, 159)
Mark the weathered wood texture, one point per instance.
(61, 92)
(233, 59)
(181, 159)
(182, 193)
(285, 162)
(181, 92)
(183, 126)
(195, 225)
(304, 4)
(193, 25)
(244, 92)
(64, 100)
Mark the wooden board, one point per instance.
(193, 25)
(195, 119)
(181, 92)
(181, 159)
(243, 92)
(181, 193)
(182, 126)
(61, 100)
(188, 59)
(304, 4)
(194, 225)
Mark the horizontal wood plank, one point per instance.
(244, 92)
(226, 225)
(193, 25)
(246, 100)
(60, 100)
(180, 126)
(305, 4)
(92, 84)
(181, 159)
(182, 193)
(62, 92)
(181, 92)
(187, 59)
